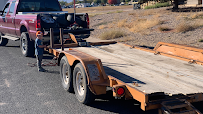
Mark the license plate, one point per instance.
(66, 36)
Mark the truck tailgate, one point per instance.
(153, 73)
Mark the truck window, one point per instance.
(38, 5)
(12, 7)
(6, 9)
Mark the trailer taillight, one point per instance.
(88, 21)
(120, 91)
(38, 23)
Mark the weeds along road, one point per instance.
(24, 90)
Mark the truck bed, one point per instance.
(153, 73)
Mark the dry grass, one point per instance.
(112, 34)
(182, 15)
(133, 14)
(101, 27)
(122, 23)
(196, 15)
(111, 25)
(150, 12)
(102, 23)
(178, 17)
(96, 9)
(119, 11)
(185, 27)
(139, 26)
(145, 13)
(110, 12)
(95, 14)
(141, 20)
(114, 12)
(164, 28)
(126, 39)
(157, 15)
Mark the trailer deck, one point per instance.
(152, 73)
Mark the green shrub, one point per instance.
(158, 5)
(200, 40)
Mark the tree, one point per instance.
(175, 4)
(62, 3)
(112, 1)
(71, 3)
(97, 1)
(89, 1)
(103, 1)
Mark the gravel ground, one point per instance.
(149, 37)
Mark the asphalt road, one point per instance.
(24, 90)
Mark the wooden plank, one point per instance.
(153, 73)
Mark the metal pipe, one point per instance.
(74, 10)
(51, 38)
(61, 39)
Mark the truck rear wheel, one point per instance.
(26, 45)
(3, 41)
(82, 91)
(66, 75)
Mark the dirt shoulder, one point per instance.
(148, 27)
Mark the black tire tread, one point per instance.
(89, 97)
(30, 45)
(69, 87)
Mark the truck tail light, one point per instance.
(88, 21)
(38, 23)
(120, 91)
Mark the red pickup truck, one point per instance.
(21, 19)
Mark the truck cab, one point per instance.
(21, 19)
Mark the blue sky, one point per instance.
(67, 0)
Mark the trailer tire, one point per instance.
(66, 75)
(82, 91)
(26, 45)
(3, 41)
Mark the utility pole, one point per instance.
(175, 4)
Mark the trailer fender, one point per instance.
(96, 77)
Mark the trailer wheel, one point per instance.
(26, 45)
(3, 41)
(66, 75)
(82, 91)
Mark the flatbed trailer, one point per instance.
(155, 81)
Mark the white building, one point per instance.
(194, 2)
(82, 5)
(2, 4)
(94, 4)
